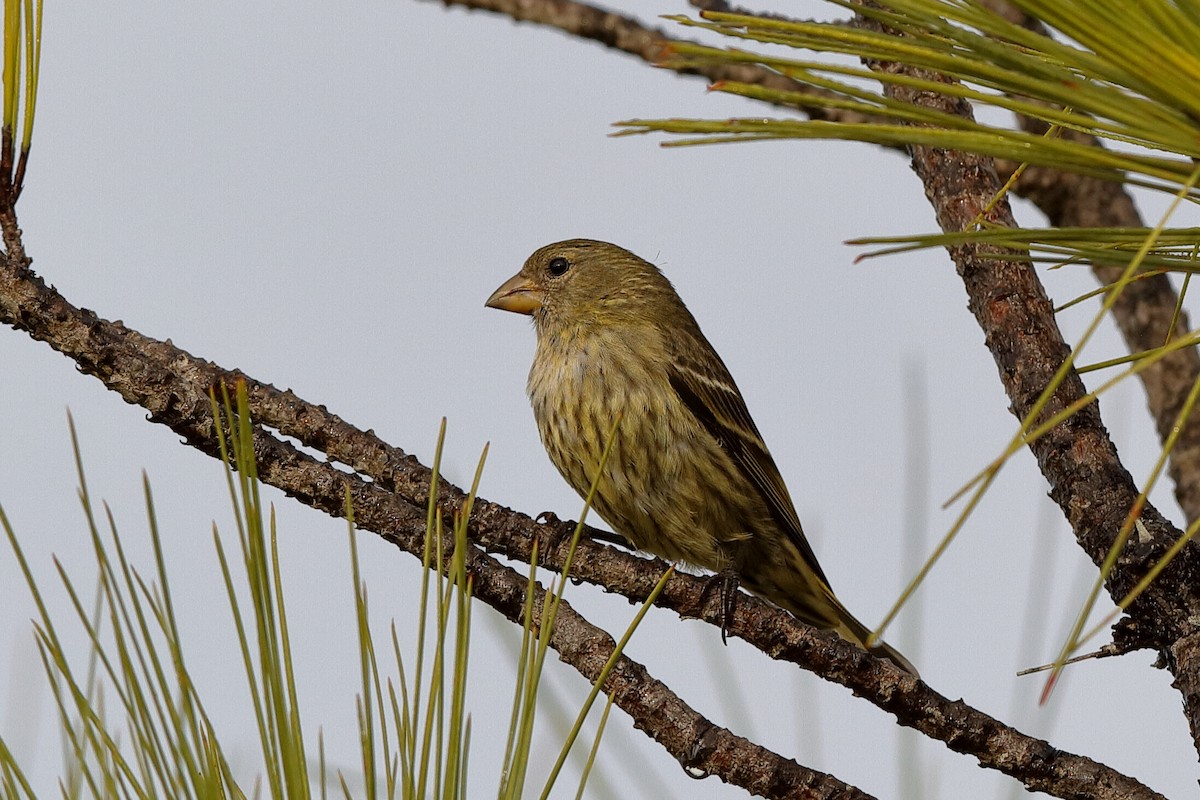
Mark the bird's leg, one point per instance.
(727, 582)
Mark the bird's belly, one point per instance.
(666, 486)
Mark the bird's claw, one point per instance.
(551, 519)
(615, 539)
(727, 582)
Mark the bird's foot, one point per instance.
(551, 533)
(726, 582)
(559, 526)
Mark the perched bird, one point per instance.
(689, 477)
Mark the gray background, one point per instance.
(324, 197)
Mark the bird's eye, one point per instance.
(558, 266)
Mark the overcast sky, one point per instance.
(324, 196)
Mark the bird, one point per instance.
(688, 477)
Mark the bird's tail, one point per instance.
(852, 630)
(800, 588)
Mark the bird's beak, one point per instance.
(516, 294)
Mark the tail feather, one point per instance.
(854, 631)
(801, 590)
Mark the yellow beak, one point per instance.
(516, 294)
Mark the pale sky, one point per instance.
(324, 197)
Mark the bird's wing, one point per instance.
(707, 389)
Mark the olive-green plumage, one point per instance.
(689, 477)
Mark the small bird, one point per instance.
(688, 478)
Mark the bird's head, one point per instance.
(582, 280)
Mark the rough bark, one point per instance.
(1077, 457)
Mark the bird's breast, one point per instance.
(580, 386)
(665, 484)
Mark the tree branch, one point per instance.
(629, 35)
(173, 387)
(1077, 457)
(701, 747)
(1145, 309)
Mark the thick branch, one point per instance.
(1145, 309)
(1078, 458)
(173, 386)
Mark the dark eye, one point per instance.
(558, 266)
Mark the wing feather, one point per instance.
(706, 388)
